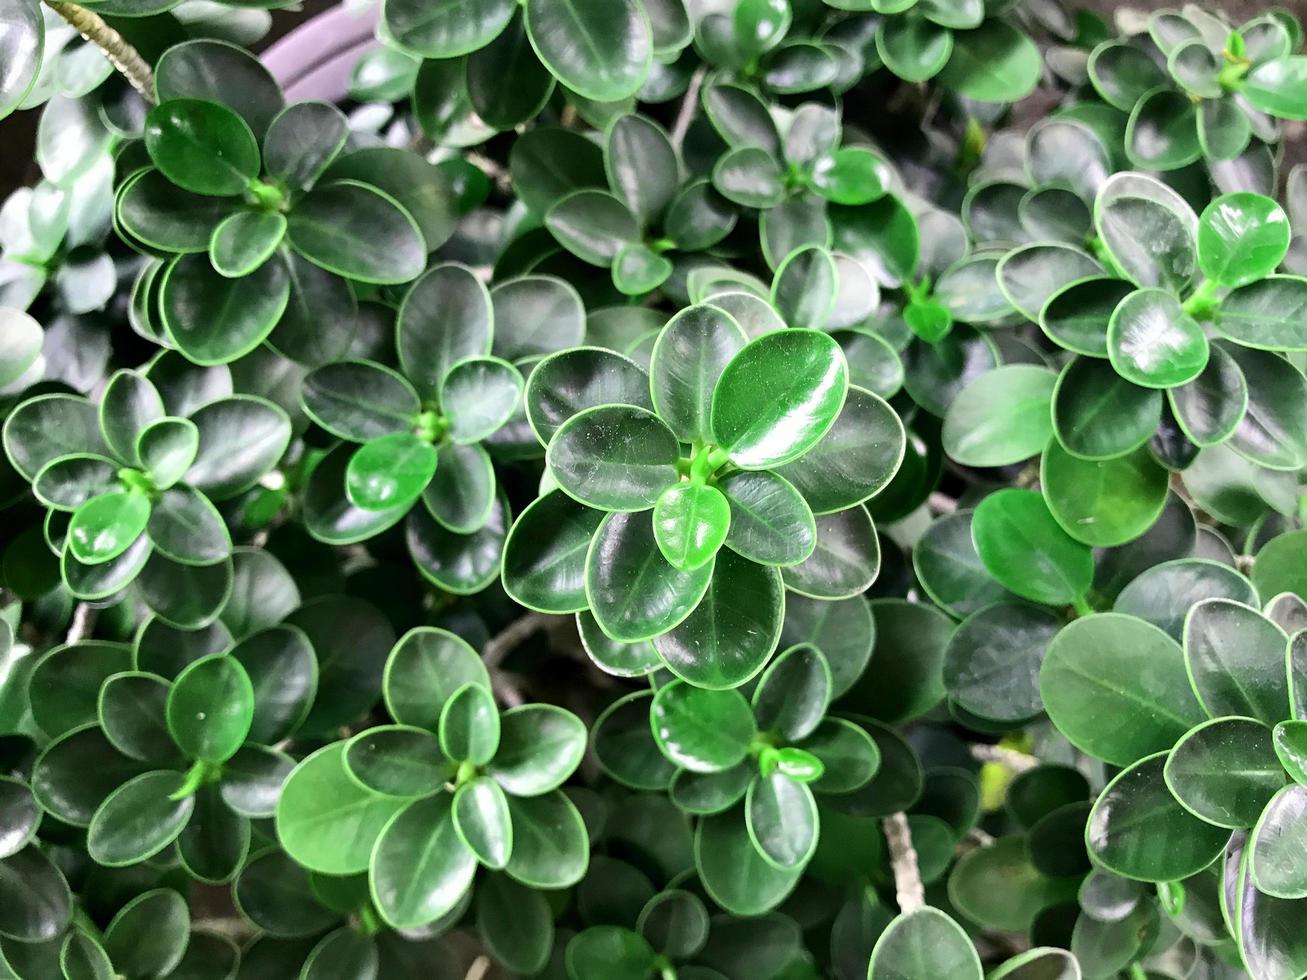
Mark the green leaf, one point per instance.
(1277, 569)
(1151, 238)
(690, 524)
(1275, 87)
(390, 471)
(689, 356)
(397, 760)
(420, 869)
(1209, 408)
(778, 396)
(219, 72)
(993, 63)
(40, 430)
(782, 820)
(734, 629)
(469, 725)
(106, 526)
(70, 481)
(1242, 237)
(481, 819)
(446, 33)
(210, 708)
(515, 923)
(132, 709)
(213, 845)
(845, 562)
(1225, 771)
(301, 142)
(625, 747)
(1265, 313)
(805, 287)
(1162, 133)
(23, 46)
(241, 439)
(202, 147)
(359, 232)
(614, 457)
(733, 873)
(167, 448)
(1277, 846)
(545, 554)
(445, 316)
(902, 627)
(1153, 342)
(1032, 275)
(641, 165)
(359, 400)
(20, 815)
(550, 846)
(505, 82)
(593, 225)
(341, 954)
(186, 527)
(536, 315)
(923, 943)
(1002, 417)
(949, 569)
(771, 523)
(246, 240)
(283, 670)
(138, 819)
(213, 319)
(1123, 73)
(37, 904)
(571, 381)
(1116, 687)
(1290, 741)
(478, 395)
(252, 780)
(701, 730)
(792, 696)
(1076, 317)
(1138, 830)
(750, 177)
(998, 888)
(1026, 550)
(461, 496)
(325, 821)
(913, 48)
(149, 935)
(634, 593)
(1103, 503)
(1163, 594)
(1236, 661)
(850, 175)
(83, 958)
(539, 747)
(991, 664)
(129, 404)
(600, 50)
(1271, 432)
(610, 952)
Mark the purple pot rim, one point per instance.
(316, 59)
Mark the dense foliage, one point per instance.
(683, 489)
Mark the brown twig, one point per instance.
(689, 106)
(908, 889)
(125, 58)
(82, 624)
(1009, 758)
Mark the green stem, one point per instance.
(195, 778)
(1202, 304)
(1082, 606)
(1137, 972)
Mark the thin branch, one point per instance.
(514, 633)
(908, 889)
(1009, 758)
(82, 624)
(479, 968)
(689, 105)
(125, 58)
(941, 503)
(503, 180)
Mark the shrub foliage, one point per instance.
(683, 489)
